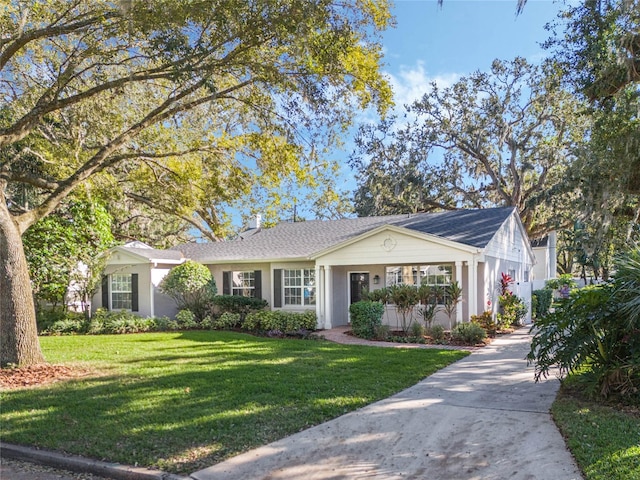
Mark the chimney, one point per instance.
(255, 222)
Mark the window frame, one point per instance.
(113, 283)
(244, 288)
(418, 274)
(299, 284)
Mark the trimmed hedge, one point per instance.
(239, 304)
(282, 321)
(366, 318)
(109, 322)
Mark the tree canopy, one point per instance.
(499, 138)
(170, 103)
(66, 247)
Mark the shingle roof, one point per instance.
(302, 239)
(155, 254)
(540, 242)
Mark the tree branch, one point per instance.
(12, 46)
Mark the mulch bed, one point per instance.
(41, 374)
(448, 340)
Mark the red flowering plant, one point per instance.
(506, 281)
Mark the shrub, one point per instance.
(381, 332)
(366, 317)
(542, 303)
(58, 322)
(469, 333)
(207, 323)
(512, 310)
(226, 321)
(534, 305)
(562, 280)
(287, 322)
(486, 322)
(436, 332)
(105, 321)
(66, 326)
(165, 324)
(416, 330)
(597, 328)
(186, 319)
(239, 304)
(191, 286)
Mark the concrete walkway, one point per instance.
(481, 418)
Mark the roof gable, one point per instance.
(147, 254)
(401, 231)
(304, 240)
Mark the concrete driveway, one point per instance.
(480, 418)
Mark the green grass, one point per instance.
(182, 401)
(604, 440)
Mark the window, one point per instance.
(243, 284)
(247, 283)
(121, 292)
(439, 275)
(299, 286)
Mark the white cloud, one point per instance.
(412, 82)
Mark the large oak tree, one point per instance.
(501, 138)
(152, 96)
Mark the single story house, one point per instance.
(324, 265)
(131, 278)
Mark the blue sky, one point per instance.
(433, 43)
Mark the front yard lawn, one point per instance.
(604, 440)
(182, 401)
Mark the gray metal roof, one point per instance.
(303, 239)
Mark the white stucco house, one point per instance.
(323, 265)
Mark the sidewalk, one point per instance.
(481, 418)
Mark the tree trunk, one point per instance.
(19, 343)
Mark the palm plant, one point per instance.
(428, 296)
(452, 295)
(405, 297)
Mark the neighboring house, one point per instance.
(546, 260)
(131, 278)
(324, 265)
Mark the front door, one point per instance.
(358, 283)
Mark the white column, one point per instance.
(152, 307)
(473, 287)
(459, 280)
(319, 297)
(328, 296)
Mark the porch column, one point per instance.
(473, 287)
(328, 296)
(152, 299)
(459, 280)
(319, 297)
